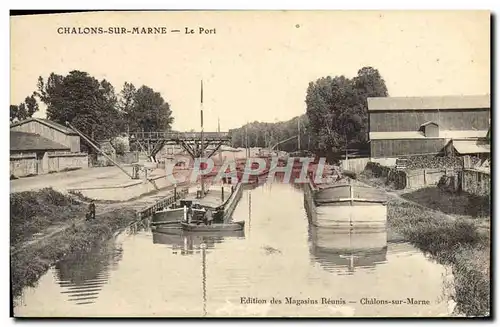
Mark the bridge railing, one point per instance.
(176, 135)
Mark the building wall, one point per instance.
(72, 141)
(58, 161)
(23, 164)
(402, 147)
(411, 120)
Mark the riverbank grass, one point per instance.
(454, 228)
(454, 242)
(34, 212)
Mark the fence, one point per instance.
(356, 165)
(392, 176)
(160, 204)
(404, 179)
(424, 177)
(475, 181)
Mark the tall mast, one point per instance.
(218, 130)
(298, 127)
(202, 145)
(246, 140)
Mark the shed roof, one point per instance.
(429, 103)
(21, 141)
(447, 134)
(429, 123)
(469, 147)
(48, 123)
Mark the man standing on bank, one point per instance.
(91, 213)
(209, 217)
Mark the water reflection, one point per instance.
(344, 252)
(190, 274)
(82, 276)
(204, 278)
(140, 226)
(187, 243)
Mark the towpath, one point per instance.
(101, 208)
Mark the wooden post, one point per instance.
(425, 178)
(222, 187)
(175, 193)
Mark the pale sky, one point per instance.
(258, 64)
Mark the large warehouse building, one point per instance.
(50, 130)
(40, 146)
(402, 126)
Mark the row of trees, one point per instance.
(336, 117)
(24, 110)
(93, 106)
(266, 135)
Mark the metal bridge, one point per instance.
(153, 142)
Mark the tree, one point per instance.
(31, 105)
(148, 111)
(24, 110)
(368, 83)
(125, 105)
(82, 100)
(127, 96)
(337, 109)
(13, 112)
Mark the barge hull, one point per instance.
(345, 212)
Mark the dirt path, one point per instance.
(63, 180)
(53, 230)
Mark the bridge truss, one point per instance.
(153, 142)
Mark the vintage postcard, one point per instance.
(250, 164)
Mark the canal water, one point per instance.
(278, 266)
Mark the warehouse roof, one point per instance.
(429, 103)
(48, 123)
(470, 147)
(21, 141)
(446, 134)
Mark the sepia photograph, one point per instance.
(280, 163)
